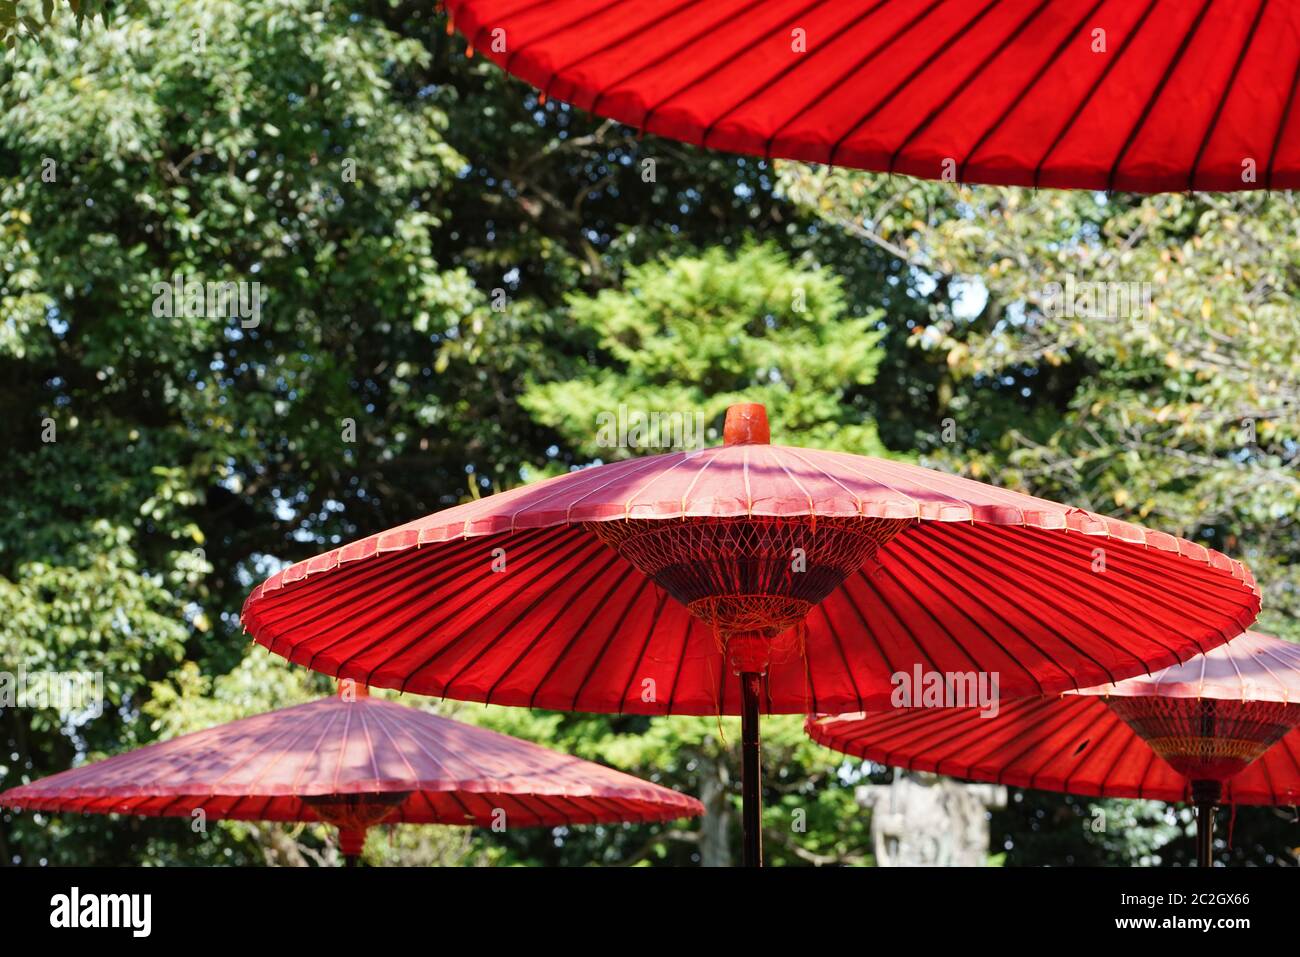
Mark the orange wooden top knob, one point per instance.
(746, 425)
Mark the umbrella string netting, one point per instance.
(354, 814)
(752, 580)
(1207, 739)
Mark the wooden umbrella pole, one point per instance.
(1205, 796)
(751, 770)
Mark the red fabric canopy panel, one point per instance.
(1142, 95)
(1078, 745)
(269, 767)
(512, 599)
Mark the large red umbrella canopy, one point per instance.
(355, 763)
(748, 577)
(1227, 718)
(571, 593)
(1144, 95)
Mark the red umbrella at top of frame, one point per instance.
(749, 577)
(355, 762)
(1142, 95)
(1223, 726)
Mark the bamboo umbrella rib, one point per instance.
(838, 82)
(545, 629)
(1223, 98)
(794, 64)
(974, 551)
(616, 585)
(635, 662)
(1052, 60)
(541, 543)
(1091, 93)
(952, 573)
(1282, 124)
(911, 77)
(707, 33)
(1045, 598)
(890, 621)
(839, 648)
(1156, 93)
(538, 4)
(376, 583)
(615, 630)
(559, 559)
(590, 16)
(904, 558)
(677, 672)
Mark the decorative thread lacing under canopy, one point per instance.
(1207, 739)
(752, 580)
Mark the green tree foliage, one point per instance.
(161, 452)
(21, 19)
(162, 460)
(697, 333)
(456, 278)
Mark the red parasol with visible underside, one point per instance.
(354, 762)
(746, 578)
(1223, 726)
(1141, 95)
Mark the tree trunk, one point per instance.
(921, 820)
(715, 826)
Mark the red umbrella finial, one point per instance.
(746, 425)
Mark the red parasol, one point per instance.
(1149, 96)
(618, 588)
(1224, 723)
(355, 763)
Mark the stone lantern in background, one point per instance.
(924, 820)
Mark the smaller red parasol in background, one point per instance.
(354, 761)
(1224, 723)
